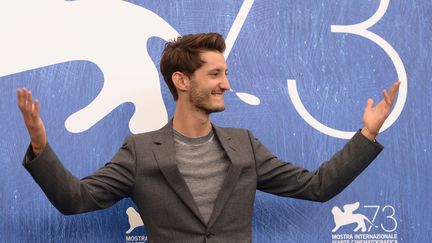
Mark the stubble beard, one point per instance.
(202, 102)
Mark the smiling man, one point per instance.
(192, 180)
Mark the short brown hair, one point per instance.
(183, 55)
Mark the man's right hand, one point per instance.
(32, 120)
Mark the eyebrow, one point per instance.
(217, 70)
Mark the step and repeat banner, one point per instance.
(300, 71)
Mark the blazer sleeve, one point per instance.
(285, 179)
(71, 195)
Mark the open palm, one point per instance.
(374, 117)
(32, 120)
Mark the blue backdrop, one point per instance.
(277, 41)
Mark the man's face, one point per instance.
(209, 82)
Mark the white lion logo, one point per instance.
(112, 34)
(347, 217)
(134, 219)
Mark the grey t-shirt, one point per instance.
(203, 163)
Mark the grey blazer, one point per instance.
(145, 169)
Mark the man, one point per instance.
(192, 180)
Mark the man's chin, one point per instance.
(210, 110)
(219, 109)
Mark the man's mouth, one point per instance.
(217, 93)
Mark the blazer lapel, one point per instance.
(231, 177)
(165, 157)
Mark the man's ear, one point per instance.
(181, 81)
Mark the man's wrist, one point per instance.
(37, 150)
(368, 134)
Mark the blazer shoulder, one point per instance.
(151, 137)
(232, 132)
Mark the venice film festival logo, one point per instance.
(352, 226)
(135, 221)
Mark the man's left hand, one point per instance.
(374, 117)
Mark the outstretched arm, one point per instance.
(374, 117)
(67, 193)
(32, 120)
(286, 179)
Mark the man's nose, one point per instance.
(225, 84)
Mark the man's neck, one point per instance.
(192, 124)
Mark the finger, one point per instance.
(26, 106)
(369, 104)
(24, 97)
(20, 98)
(23, 103)
(36, 108)
(29, 103)
(387, 97)
(394, 89)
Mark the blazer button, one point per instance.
(208, 235)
